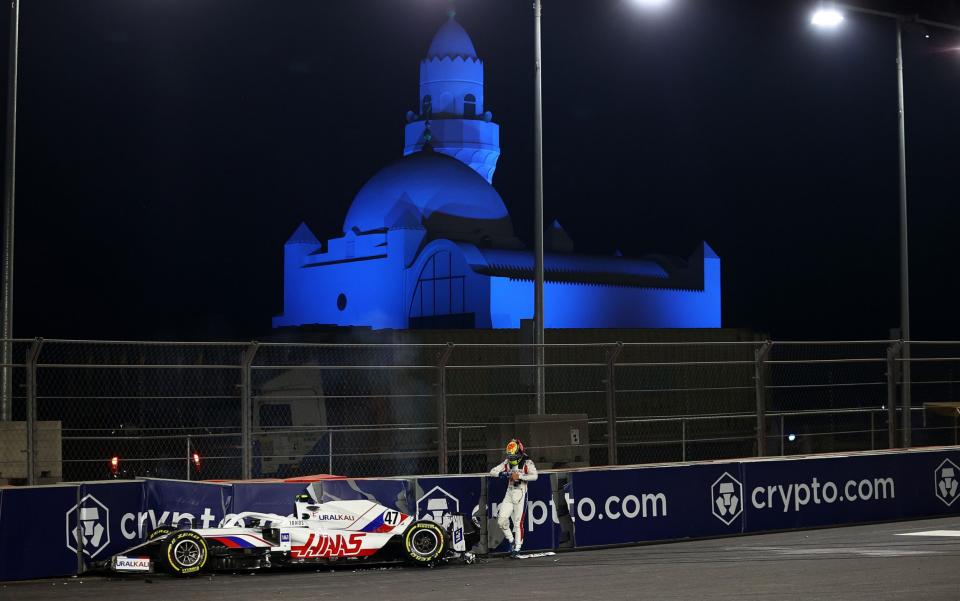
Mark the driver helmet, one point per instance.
(515, 453)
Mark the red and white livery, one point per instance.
(317, 533)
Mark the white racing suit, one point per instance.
(514, 501)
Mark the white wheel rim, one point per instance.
(187, 553)
(425, 542)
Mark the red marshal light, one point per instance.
(196, 460)
(114, 465)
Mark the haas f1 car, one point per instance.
(320, 533)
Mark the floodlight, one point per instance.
(827, 17)
(651, 3)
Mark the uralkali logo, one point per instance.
(727, 498)
(436, 505)
(945, 480)
(131, 564)
(88, 526)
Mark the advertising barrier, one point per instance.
(805, 493)
(33, 540)
(656, 503)
(393, 493)
(178, 503)
(275, 497)
(437, 497)
(692, 501)
(100, 525)
(60, 530)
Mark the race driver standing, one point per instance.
(518, 469)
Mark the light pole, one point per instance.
(832, 16)
(10, 172)
(538, 209)
(538, 270)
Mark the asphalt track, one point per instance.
(875, 563)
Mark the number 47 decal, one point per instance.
(391, 518)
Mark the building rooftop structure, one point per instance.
(428, 241)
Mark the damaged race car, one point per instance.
(320, 533)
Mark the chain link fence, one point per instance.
(89, 410)
(13, 408)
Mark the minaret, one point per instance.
(451, 103)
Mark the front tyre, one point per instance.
(186, 553)
(424, 543)
(159, 532)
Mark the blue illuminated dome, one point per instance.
(452, 40)
(444, 195)
(428, 242)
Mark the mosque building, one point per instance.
(428, 241)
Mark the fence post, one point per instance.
(905, 396)
(783, 436)
(612, 354)
(683, 439)
(246, 411)
(482, 512)
(442, 408)
(81, 565)
(6, 381)
(893, 352)
(760, 356)
(31, 418)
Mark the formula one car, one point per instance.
(321, 533)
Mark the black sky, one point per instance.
(167, 149)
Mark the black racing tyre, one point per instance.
(159, 532)
(424, 543)
(185, 553)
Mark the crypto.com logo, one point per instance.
(945, 481)
(726, 496)
(88, 526)
(437, 505)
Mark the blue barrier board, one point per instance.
(45, 531)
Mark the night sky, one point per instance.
(168, 148)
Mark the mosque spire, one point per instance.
(451, 117)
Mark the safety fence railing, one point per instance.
(82, 410)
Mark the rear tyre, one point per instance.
(424, 543)
(185, 553)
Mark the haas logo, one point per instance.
(88, 526)
(328, 545)
(945, 479)
(727, 498)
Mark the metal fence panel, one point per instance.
(144, 404)
(13, 434)
(211, 410)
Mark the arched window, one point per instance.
(469, 105)
(426, 108)
(439, 291)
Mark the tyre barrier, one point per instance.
(60, 530)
